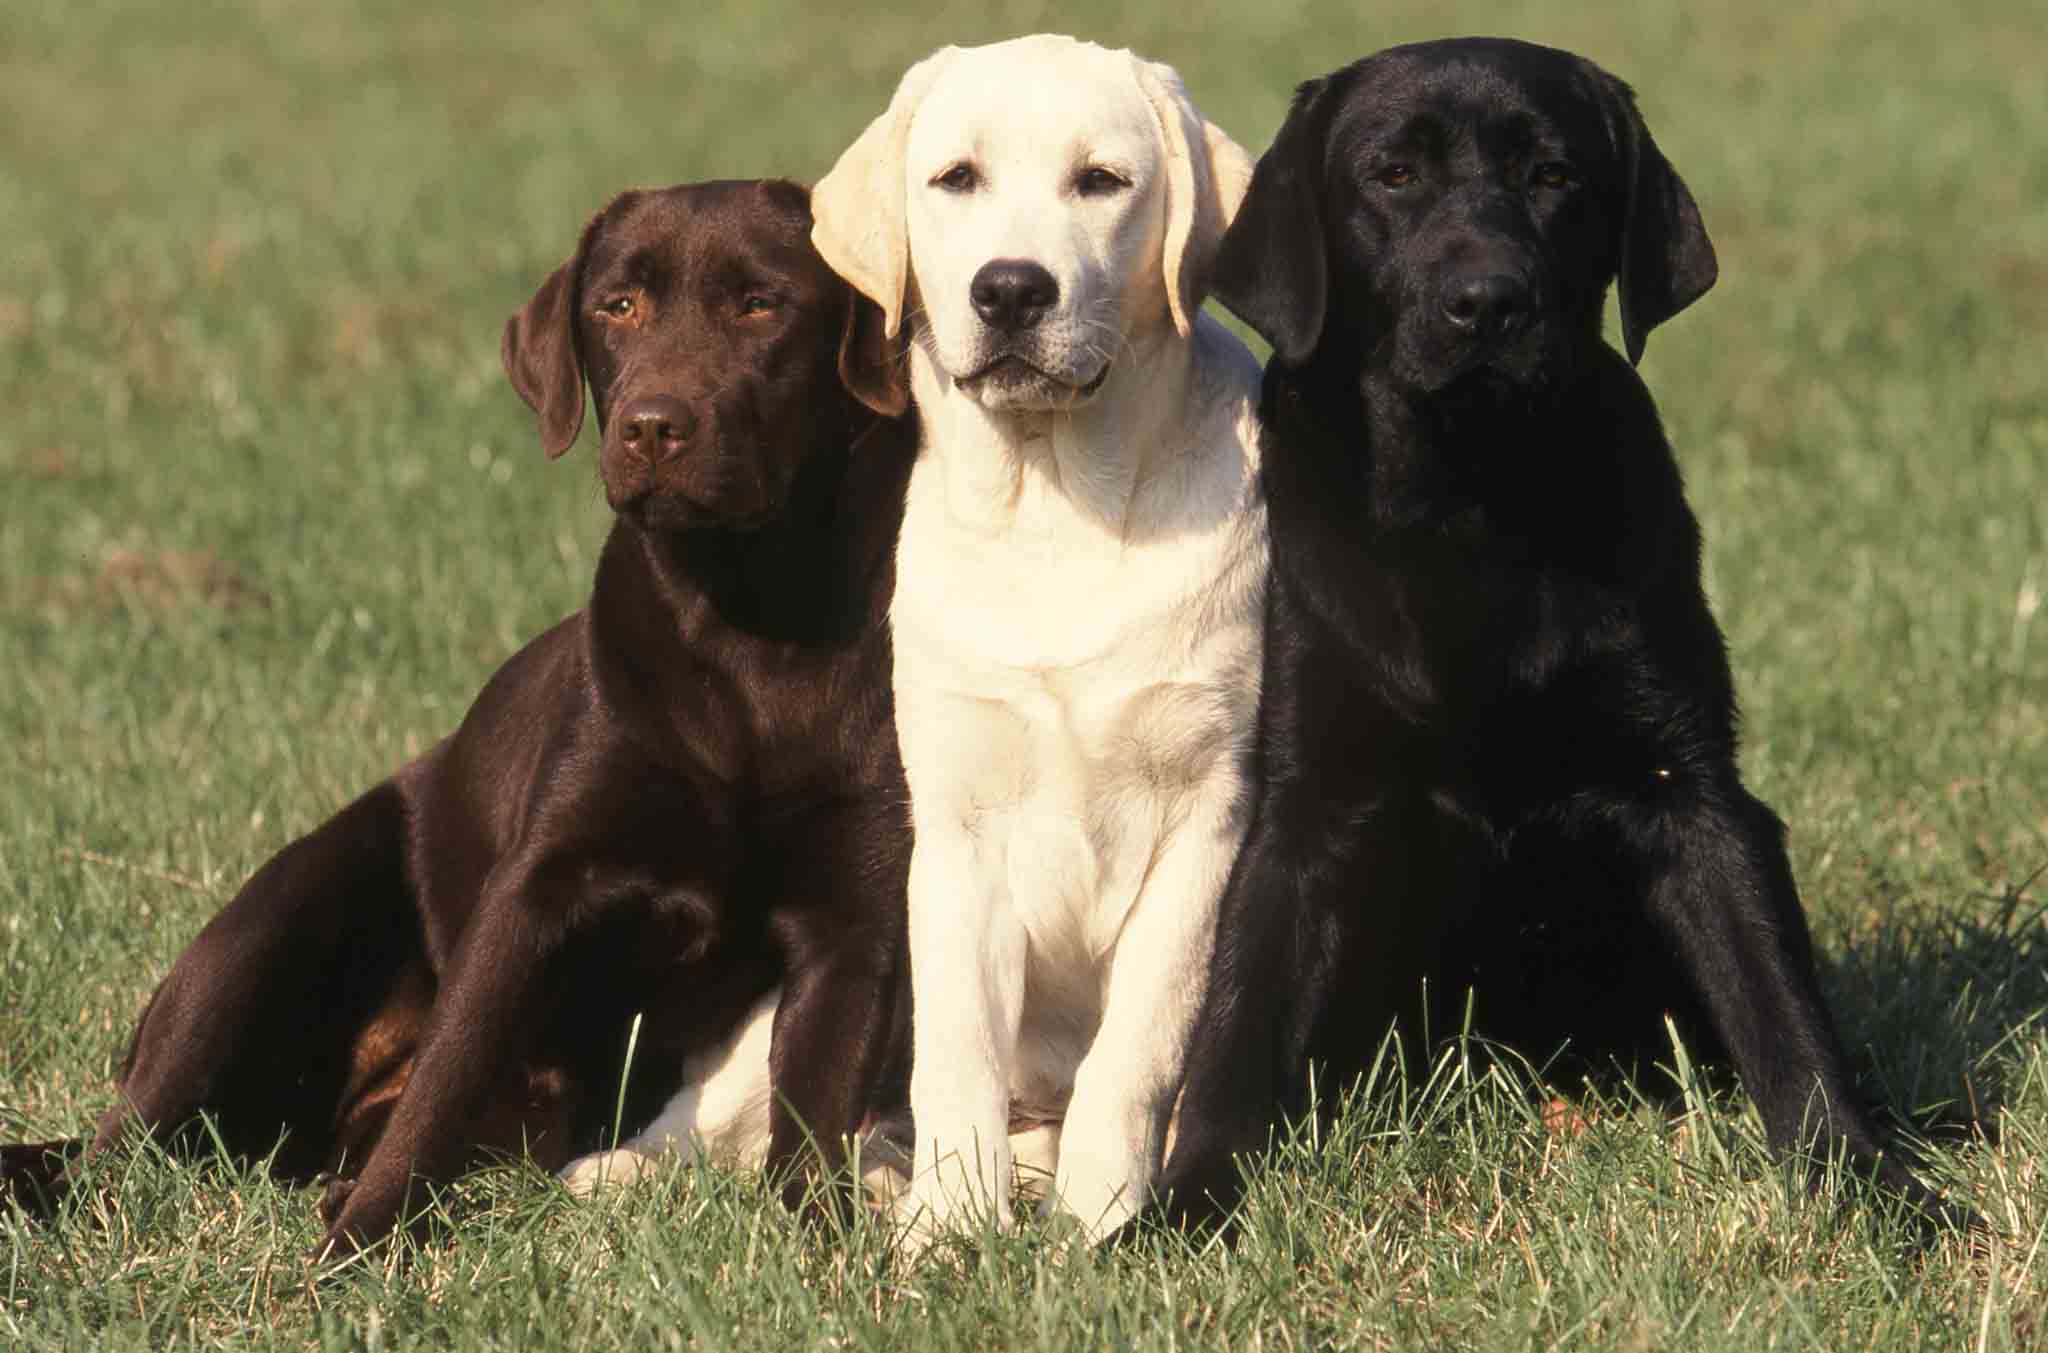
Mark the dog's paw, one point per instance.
(1101, 1189)
(601, 1170)
(37, 1175)
(1095, 1210)
(884, 1175)
(334, 1196)
(337, 1246)
(1035, 1158)
(929, 1224)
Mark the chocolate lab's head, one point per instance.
(721, 352)
(1458, 208)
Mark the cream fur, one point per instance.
(720, 1114)
(1077, 615)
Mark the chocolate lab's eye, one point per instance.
(961, 178)
(755, 303)
(1552, 174)
(1095, 181)
(618, 307)
(1393, 176)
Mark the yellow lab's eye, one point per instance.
(960, 178)
(1095, 181)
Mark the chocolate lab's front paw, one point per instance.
(333, 1197)
(37, 1175)
(360, 1218)
(339, 1243)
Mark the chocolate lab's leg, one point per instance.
(473, 1046)
(837, 1025)
(531, 1113)
(255, 1021)
(829, 1043)
(1720, 885)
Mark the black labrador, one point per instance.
(677, 799)
(1498, 731)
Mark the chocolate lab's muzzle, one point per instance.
(665, 461)
(655, 429)
(645, 443)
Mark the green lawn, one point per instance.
(271, 515)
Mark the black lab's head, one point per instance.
(722, 354)
(1458, 208)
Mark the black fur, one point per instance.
(1498, 731)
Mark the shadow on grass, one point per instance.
(1938, 1010)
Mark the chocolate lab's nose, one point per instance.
(1012, 293)
(1486, 303)
(656, 427)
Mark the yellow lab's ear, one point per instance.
(1206, 177)
(858, 208)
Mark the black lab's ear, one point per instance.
(874, 366)
(539, 349)
(1270, 270)
(1667, 261)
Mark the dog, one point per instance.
(679, 813)
(1079, 584)
(1497, 742)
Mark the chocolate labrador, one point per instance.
(676, 800)
(1498, 731)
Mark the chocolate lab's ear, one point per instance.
(1667, 261)
(539, 352)
(1206, 176)
(874, 366)
(857, 210)
(1270, 269)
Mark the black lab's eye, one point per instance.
(618, 307)
(1394, 176)
(961, 178)
(1552, 174)
(1095, 181)
(757, 303)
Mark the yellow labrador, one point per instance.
(1079, 593)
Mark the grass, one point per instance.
(273, 516)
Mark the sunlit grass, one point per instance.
(272, 516)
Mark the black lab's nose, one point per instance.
(1486, 303)
(1012, 294)
(656, 427)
